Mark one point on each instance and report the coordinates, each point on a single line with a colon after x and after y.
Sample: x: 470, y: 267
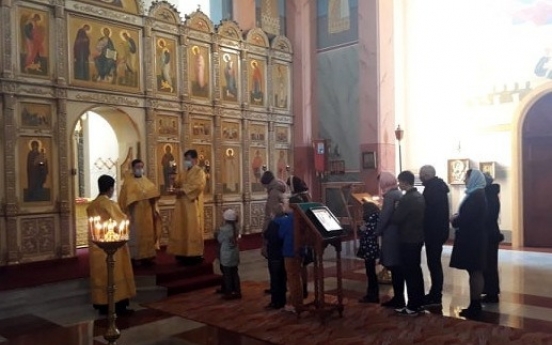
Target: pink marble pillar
x: 244, y: 14
x: 301, y: 30
x: 376, y: 70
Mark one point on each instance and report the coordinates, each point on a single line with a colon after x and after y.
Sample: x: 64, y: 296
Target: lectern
x: 315, y: 226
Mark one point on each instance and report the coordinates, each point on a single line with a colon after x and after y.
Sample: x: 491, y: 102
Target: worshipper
x: 139, y: 198
x: 390, y: 252
x: 275, y: 189
x: 125, y: 287
x: 470, y: 241
x: 186, y: 235
x: 369, y: 250
x: 299, y: 194
x: 276, y: 265
x: 409, y: 216
x: 491, y: 288
x: 436, y: 230
x: 292, y: 261
x: 229, y: 254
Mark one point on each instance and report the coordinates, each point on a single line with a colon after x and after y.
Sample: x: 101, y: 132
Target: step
x: 168, y: 273
x: 192, y: 284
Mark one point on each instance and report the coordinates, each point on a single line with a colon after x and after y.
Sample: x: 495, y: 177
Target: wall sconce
x: 399, y: 133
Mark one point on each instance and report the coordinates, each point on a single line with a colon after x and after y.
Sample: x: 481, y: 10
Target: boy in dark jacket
x: 436, y: 230
x: 275, y: 257
x: 409, y: 216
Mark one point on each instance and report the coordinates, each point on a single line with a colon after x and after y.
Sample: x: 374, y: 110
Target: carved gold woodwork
x: 217, y: 89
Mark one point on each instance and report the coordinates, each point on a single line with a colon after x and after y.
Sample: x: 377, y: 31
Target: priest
x: 125, y: 288
x: 139, y: 200
x: 186, y: 236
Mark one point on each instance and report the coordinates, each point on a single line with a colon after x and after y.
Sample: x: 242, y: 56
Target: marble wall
x: 338, y: 102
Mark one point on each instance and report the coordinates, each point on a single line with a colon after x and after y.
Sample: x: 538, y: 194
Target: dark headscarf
x: 267, y: 177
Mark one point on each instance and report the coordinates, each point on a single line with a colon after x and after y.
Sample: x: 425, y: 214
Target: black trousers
x: 278, y: 282
x: 373, y: 285
x: 490, y: 273
x: 231, y: 280
x: 412, y: 271
x: 434, y: 250
x: 397, y: 280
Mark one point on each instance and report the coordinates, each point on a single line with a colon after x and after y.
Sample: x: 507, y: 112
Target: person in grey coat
x: 389, y: 232
x: 229, y: 254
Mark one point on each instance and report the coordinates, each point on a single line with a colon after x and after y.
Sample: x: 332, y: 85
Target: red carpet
x: 361, y: 324
x: 53, y: 271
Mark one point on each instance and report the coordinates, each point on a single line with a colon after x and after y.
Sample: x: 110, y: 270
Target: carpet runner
x: 361, y: 324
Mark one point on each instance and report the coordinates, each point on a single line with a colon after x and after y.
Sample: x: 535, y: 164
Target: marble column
x: 301, y: 30
x: 244, y: 14
x: 376, y: 71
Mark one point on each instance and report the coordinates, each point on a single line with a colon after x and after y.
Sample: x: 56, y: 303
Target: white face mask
x: 138, y: 172
x: 188, y: 164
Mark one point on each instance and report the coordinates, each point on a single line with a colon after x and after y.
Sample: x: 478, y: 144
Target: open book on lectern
x: 324, y: 220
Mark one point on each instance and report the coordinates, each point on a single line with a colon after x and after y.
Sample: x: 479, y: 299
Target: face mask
x: 138, y: 172
x: 188, y: 164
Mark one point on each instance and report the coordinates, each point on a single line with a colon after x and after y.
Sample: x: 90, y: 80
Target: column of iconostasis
x: 236, y: 89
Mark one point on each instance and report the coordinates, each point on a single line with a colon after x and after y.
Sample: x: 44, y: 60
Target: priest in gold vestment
x: 186, y: 236
x: 138, y: 199
x: 125, y: 288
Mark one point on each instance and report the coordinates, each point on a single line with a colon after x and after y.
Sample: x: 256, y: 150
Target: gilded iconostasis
x: 163, y: 84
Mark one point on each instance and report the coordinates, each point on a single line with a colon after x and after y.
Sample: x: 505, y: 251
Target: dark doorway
x: 537, y: 174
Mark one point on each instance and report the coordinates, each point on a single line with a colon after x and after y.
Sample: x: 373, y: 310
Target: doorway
x: 104, y: 142
x: 537, y: 167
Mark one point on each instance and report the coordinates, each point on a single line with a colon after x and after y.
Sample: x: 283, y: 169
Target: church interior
x: 332, y: 91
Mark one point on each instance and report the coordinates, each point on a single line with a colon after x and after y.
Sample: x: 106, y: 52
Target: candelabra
x: 109, y: 236
x: 399, y: 133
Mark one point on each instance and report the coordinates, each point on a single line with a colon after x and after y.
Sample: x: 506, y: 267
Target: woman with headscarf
x: 492, y: 287
x: 470, y: 242
x: 389, y: 232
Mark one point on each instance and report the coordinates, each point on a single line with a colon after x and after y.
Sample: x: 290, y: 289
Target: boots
x: 473, y: 311
x: 372, y: 296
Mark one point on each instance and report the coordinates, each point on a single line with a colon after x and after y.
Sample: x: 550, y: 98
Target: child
x: 292, y: 261
x: 369, y: 250
x: 229, y: 254
x: 276, y: 268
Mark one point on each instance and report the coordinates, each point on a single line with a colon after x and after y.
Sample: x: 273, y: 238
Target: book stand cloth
x: 307, y: 234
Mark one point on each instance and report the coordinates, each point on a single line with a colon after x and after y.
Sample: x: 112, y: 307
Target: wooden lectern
x: 309, y: 231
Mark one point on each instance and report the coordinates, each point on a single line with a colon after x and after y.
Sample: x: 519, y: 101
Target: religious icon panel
x: 35, y: 116
x: 258, y: 133
x: 282, y: 134
x: 168, y: 159
x: 165, y: 61
x: 104, y: 55
x: 280, y: 85
x: 231, y: 131
x: 167, y: 126
x: 230, y: 76
x: 282, y: 162
x: 257, y: 82
x: 35, y: 166
x: 34, y: 42
x: 199, y: 74
x: 231, y: 172
x: 258, y: 163
x: 201, y: 129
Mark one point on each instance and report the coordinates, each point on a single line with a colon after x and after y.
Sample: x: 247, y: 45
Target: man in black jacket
x: 492, y: 288
x: 436, y: 230
x: 409, y: 216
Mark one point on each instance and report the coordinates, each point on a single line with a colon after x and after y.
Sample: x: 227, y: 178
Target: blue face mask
x: 188, y: 164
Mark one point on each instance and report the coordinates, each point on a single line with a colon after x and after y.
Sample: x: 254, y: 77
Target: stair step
x: 172, y: 272
x: 192, y: 284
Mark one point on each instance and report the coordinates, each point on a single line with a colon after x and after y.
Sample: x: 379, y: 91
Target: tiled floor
x: 526, y: 302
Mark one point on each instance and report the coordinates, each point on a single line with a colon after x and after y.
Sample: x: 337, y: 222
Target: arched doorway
x: 104, y: 141
x: 536, y: 142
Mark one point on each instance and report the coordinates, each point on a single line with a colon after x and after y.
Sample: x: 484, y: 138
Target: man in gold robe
x: 138, y: 199
x: 186, y: 236
x: 123, y: 275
